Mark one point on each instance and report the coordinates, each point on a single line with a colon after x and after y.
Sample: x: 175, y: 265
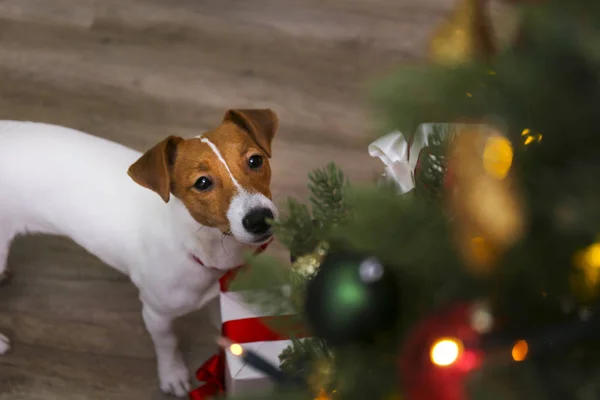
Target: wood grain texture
x: 135, y: 71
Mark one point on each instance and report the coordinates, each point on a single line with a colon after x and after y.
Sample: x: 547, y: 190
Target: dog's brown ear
x: 261, y: 124
x: 153, y: 169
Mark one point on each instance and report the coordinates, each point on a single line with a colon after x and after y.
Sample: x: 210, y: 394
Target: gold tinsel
x: 305, y: 266
x: 322, y: 376
x: 488, y: 215
x: 309, y: 263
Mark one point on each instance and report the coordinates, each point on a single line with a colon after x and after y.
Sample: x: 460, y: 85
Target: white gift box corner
x: 240, y: 377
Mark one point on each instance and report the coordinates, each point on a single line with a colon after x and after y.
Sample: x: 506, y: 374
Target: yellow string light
x: 588, y: 261
x: 520, y: 350
x: 531, y: 137
x: 586, y: 285
x: 445, y: 352
x: 236, y: 349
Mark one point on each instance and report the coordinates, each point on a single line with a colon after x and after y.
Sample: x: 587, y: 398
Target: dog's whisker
x: 197, y: 232
x: 223, y: 243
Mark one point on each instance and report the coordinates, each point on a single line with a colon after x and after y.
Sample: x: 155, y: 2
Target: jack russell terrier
x: 186, y: 214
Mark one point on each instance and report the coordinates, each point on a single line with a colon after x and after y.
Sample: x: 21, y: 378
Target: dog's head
x: 222, y: 177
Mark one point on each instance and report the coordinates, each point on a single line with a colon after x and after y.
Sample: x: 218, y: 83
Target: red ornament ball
x: 441, y: 351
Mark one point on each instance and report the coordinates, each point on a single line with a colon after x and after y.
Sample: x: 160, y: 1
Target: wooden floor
x: 136, y: 71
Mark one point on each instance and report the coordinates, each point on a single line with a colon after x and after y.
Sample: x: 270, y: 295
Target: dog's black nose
x: 256, y: 221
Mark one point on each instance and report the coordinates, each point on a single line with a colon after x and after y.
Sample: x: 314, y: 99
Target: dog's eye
x: 203, y: 183
x: 255, y: 161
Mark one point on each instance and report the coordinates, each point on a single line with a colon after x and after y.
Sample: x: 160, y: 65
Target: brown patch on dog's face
x: 197, y: 161
x: 206, y: 173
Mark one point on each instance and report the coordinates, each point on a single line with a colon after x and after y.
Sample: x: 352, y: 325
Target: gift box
x: 248, y: 325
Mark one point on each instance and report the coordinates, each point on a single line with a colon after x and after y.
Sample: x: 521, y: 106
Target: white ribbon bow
x: 393, y: 150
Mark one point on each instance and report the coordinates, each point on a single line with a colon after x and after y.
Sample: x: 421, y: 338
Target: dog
x: 174, y: 219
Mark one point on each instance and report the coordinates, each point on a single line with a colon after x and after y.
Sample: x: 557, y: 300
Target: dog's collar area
x: 259, y: 250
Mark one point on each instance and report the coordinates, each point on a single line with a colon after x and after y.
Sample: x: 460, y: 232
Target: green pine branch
x: 297, y: 359
x: 296, y: 229
x: 431, y: 174
x: 550, y: 85
x: 328, y: 188
x: 303, y: 226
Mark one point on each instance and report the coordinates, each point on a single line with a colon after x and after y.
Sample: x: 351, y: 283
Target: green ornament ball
x: 351, y: 299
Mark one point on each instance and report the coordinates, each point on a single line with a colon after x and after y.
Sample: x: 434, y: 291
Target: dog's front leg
x: 172, y: 371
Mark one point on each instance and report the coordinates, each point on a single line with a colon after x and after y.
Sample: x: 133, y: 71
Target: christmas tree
x: 482, y: 281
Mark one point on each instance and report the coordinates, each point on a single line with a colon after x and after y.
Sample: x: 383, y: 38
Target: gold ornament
x: 488, y: 214
x: 586, y: 284
x: 307, y: 264
x: 322, y: 375
x: 321, y: 378
x: 465, y: 36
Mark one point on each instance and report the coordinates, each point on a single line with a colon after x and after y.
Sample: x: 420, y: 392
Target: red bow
x: 212, y: 372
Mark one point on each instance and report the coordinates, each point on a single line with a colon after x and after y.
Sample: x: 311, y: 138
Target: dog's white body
x: 56, y: 180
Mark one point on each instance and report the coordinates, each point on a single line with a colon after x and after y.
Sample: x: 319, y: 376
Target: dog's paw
x: 175, y: 379
x: 4, y: 344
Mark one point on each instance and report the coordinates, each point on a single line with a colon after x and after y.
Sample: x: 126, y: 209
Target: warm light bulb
x: 236, y: 349
x: 445, y: 352
x: 520, y: 350
x: 588, y: 261
x: 482, y: 319
x: 591, y: 256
